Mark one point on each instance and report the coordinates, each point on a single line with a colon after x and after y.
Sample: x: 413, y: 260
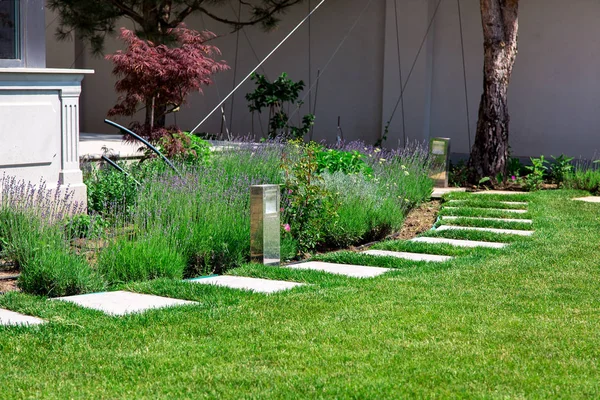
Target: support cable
x: 258, y: 66
x: 412, y: 68
x: 235, y: 65
x: 400, y: 71
x: 462, y: 46
x: 338, y: 48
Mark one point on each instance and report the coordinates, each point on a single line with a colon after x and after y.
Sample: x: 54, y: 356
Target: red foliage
x: 161, y: 76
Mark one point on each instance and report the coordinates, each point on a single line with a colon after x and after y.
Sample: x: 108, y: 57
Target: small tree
x: 159, y: 78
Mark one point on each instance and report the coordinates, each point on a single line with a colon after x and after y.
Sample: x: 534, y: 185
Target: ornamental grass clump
x: 32, y: 237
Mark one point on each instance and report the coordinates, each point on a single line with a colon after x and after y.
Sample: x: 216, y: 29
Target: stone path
x: 122, y: 303
x: 477, y: 229
x: 12, y: 318
x: 244, y: 283
x: 353, y: 271
x: 408, y: 256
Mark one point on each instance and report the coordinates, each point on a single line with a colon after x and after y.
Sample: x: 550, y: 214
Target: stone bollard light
x: 439, y: 149
x: 265, y: 230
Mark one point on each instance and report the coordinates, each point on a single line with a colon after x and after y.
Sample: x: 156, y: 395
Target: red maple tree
x: 158, y: 77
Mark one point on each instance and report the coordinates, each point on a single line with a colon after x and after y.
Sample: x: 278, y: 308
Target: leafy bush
x: 458, y: 174
x: 85, y: 226
x: 537, y: 171
x: 560, y: 167
x: 277, y: 96
x: 347, y: 162
x: 185, y: 147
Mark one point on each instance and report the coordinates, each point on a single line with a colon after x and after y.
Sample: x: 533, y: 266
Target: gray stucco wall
x: 553, y: 97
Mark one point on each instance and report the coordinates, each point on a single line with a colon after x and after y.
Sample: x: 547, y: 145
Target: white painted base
x: 408, y: 256
x: 452, y: 218
x: 122, y: 303
x: 245, y: 283
x: 491, y: 230
x: 459, y: 243
x: 11, y: 318
x: 353, y: 271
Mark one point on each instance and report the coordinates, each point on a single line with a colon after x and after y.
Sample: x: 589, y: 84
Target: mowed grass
x: 522, y: 322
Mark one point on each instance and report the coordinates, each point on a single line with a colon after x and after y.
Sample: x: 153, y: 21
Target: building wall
x: 553, y: 97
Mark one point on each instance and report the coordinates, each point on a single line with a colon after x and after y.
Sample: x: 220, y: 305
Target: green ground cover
x: 522, y: 322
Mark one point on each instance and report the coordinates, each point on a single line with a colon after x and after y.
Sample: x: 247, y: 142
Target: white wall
x: 553, y: 97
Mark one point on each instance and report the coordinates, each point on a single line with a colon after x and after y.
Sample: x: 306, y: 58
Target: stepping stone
x: 353, y: 271
x: 439, y: 192
x: 452, y: 218
x: 408, y: 256
x: 503, y: 192
x: 492, y: 230
x: 459, y: 243
x: 590, y: 199
x: 122, y: 303
x: 11, y: 318
x: 508, y: 203
x: 245, y: 283
x: 491, y: 209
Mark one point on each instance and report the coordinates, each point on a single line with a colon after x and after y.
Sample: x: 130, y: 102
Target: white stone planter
x: 39, y: 126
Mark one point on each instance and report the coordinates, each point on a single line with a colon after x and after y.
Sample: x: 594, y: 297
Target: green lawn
x: 523, y: 322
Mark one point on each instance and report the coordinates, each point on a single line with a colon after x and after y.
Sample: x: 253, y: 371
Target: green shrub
x: 85, y: 226
x: 54, y: 271
x: 536, y: 172
x: 584, y: 178
x: 348, y: 162
x: 139, y: 260
x: 560, y: 167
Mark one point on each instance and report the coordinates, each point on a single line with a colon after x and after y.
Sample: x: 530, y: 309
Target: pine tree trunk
x: 489, y: 155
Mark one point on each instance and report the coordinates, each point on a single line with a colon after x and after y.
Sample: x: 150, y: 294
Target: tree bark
x: 490, y: 152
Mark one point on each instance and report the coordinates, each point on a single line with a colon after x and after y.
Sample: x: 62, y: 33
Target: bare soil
x: 8, y: 285
x: 419, y: 220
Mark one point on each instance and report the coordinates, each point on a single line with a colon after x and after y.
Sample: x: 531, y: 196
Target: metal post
x: 265, y: 240
x: 439, y: 149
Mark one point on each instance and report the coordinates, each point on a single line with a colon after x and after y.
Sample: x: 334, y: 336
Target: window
x: 9, y: 30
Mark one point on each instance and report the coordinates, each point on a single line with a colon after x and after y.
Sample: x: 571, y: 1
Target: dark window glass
x: 9, y: 29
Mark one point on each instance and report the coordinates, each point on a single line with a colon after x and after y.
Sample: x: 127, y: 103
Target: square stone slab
x: 453, y: 218
x: 502, y: 192
x: 491, y: 209
x: 439, y: 192
x: 245, y: 283
x: 590, y: 199
x: 478, y: 229
x: 122, y: 303
x: 353, y: 271
x: 409, y: 256
x: 11, y: 318
x: 508, y: 203
x: 459, y: 243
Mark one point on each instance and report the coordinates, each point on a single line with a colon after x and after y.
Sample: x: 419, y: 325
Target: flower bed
x: 198, y: 223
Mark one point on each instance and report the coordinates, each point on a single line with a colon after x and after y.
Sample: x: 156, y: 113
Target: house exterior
x: 39, y: 116
x: 554, y: 95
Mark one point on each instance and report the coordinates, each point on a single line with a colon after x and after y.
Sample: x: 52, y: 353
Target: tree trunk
x: 489, y: 155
